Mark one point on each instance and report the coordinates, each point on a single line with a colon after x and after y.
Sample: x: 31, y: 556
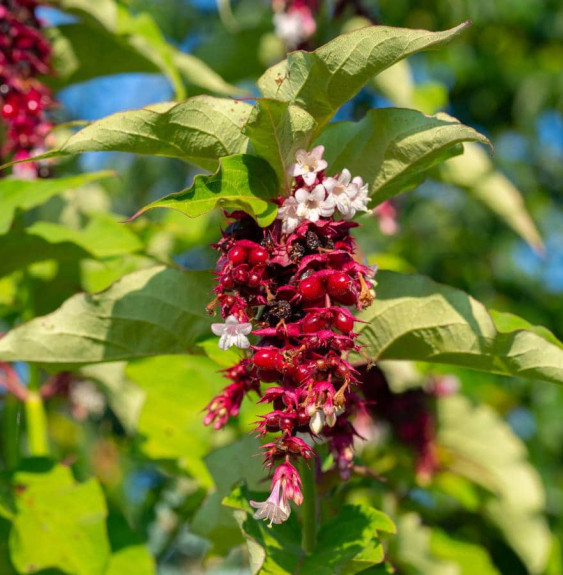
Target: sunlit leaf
x: 199, y: 130
x: 243, y: 182
x: 59, y: 523
x: 321, y: 81
x: 391, y: 148
x: 417, y: 319
x: 151, y: 312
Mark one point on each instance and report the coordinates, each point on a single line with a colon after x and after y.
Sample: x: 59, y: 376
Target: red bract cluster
x: 24, y: 55
x: 294, y: 284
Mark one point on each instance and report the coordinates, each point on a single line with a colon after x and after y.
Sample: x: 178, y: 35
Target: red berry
x: 240, y: 274
x: 343, y: 322
x: 270, y: 359
x: 301, y: 373
x: 227, y: 282
x: 314, y: 322
x: 258, y: 256
x: 339, y: 284
x: 253, y: 280
x: 311, y: 288
x: 237, y: 255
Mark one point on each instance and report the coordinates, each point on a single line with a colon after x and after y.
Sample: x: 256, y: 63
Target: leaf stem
x: 309, y: 512
x: 36, y: 424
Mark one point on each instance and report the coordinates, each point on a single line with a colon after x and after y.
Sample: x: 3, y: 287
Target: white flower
x: 308, y: 164
x: 232, y: 333
x: 288, y: 213
x: 349, y: 196
x: 275, y: 508
x: 317, y: 422
x: 313, y: 205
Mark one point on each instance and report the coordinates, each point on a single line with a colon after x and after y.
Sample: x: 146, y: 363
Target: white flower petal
x: 218, y: 328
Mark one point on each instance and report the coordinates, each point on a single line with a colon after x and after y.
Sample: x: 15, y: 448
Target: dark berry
x: 268, y: 375
x: 296, y: 252
x: 312, y: 241
x: 311, y: 288
x: 237, y: 255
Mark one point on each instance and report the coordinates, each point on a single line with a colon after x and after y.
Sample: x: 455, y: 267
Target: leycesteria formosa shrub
x: 292, y: 315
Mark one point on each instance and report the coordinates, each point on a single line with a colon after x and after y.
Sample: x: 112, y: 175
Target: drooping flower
x: 313, y: 204
x: 308, y: 164
x: 232, y: 332
x: 295, y: 25
x: 276, y: 508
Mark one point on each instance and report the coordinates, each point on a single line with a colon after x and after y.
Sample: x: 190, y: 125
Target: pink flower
x: 275, y: 508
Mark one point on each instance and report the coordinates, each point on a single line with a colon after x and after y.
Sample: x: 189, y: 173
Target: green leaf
x: 177, y: 389
x: 475, y: 172
x: 243, y: 182
x: 349, y: 542
x: 103, y: 236
x: 199, y: 130
x: 415, y: 318
x: 103, y: 12
x: 471, y: 558
x: 27, y: 194
x: 391, y: 148
x: 483, y: 448
x: 150, y: 312
x: 20, y: 249
x: 59, y: 524
x: 412, y: 548
x: 321, y: 81
x: 277, y: 130
x: 132, y: 560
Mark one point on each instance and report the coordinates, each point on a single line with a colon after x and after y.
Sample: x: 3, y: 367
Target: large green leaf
x: 103, y: 12
x: 346, y: 544
x: 243, y: 182
x: 349, y: 542
x: 391, y: 148
x: 321, y: 81
x: 59, y: 524
x: 177, y: 389
x: 277, y: 130
x: 415, y: 318
x: 483, y: 448
x: 150, y: 312
x: 26, y: 194
x: 200, y: 130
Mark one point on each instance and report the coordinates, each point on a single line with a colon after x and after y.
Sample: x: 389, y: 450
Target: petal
x: 345, y: 177
x: 318, y: 193
x: 329, y: 184
x: 241, y: 341
x: 245, y: 328
x: 225, y: 342
x: 218, y: 328
x: 309, y: 178
x: 317, y: 152
x: 301, y: 156
x: 301, y: 196
x: 232, y: 320
x: 321, y: 165
x: 313, y: 215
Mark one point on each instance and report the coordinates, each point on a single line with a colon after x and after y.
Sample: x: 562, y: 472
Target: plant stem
x: 309, y: 508
x: 36, y: 421
x: 11, y: 430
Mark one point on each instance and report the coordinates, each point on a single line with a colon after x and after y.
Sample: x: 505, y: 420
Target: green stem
x: 36, y: 421
x: 309, y: 508
x: 11, y: 430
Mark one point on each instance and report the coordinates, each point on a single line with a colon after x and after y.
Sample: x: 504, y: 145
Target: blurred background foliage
x: 502, y: 76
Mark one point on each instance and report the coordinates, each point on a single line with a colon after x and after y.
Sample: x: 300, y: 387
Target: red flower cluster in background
x: 292, y: 285
x: 24, y: 55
